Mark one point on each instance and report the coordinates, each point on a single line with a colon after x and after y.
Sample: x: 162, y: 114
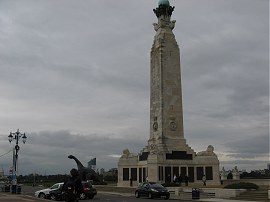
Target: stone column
x: 235, y: 172
x: 152, y: 163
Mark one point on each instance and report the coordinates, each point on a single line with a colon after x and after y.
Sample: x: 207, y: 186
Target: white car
x: 44, y: 193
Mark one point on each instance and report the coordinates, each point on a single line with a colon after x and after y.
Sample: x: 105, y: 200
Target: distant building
x: 1, y: 172
x: 262, y: 172
x: 102, y: 171
x: 230, y: 174
x: 92, y: 164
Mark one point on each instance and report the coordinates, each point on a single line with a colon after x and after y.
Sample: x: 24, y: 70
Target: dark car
x: 151, y: 190
x: 89, y: 191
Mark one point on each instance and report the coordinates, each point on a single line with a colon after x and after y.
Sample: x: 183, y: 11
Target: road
x: 100, y: 197
x: 28, y: 196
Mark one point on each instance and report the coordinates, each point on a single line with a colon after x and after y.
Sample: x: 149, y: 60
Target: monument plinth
x: 167, y: 153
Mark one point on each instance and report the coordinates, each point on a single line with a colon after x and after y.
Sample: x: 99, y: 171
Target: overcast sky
x: 75, y: 77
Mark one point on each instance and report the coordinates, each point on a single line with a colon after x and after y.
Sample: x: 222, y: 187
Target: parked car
x: 89, y: 191
x: 57, y: 194
x: 45, y: 193
x: 151, y: 190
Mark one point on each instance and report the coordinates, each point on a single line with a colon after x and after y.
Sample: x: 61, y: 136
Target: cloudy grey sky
x: 74, y: 76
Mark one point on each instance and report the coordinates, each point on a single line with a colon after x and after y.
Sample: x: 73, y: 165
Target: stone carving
x: 236, y: 174
x: 223, y: 175
x: 85, y: 172
x: 156, y: 26
x: 155, y: 126
x: 172, y: 125
x: 235, y: 169
x: 163, y: 10
x: 172, y: 24
x: 163, y: 24
x: 209, y: 152
x: 126, y: 154
x: 153, y: 149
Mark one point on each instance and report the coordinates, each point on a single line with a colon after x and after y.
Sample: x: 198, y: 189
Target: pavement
x: 174, y: 197
x: 8, y: 197
x: 210, y: 199
x: 222, y: 200
x: 4, y: 197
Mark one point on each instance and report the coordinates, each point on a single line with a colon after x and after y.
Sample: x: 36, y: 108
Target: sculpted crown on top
x: 163, y: 13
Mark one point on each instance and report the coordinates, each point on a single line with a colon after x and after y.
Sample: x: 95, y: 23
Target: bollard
x: 13, y: 189
x: 195, y: 193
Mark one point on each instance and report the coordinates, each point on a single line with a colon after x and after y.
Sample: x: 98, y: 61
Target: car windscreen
x: 156, y: 186
x: 55, y: 186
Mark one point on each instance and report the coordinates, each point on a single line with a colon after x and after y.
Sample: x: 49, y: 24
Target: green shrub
x: 170, y: 184
x: 99, y: 183
x: 242, y: 185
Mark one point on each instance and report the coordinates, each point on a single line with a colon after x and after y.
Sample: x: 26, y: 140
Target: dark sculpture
x: 85, y: 172
x: 163, y: 10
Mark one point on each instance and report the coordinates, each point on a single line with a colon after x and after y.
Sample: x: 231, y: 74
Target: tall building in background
x: 92, y: 164
x: 1, y: 172
x: 167, y: 154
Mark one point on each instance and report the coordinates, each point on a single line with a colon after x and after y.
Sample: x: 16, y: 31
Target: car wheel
x: 53, y: 197
x: 137, y: 195
x: 82, y: 196
x: 150, y: 195
x: 167, y: 197
x: 41, y: 195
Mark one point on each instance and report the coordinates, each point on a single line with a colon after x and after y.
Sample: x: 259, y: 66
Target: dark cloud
x: 251, y: 147
x: 47, y: 151
x: 247, y: 165
x: 79, y: 72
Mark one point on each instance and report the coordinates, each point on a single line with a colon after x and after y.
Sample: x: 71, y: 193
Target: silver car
x: 44, y: 193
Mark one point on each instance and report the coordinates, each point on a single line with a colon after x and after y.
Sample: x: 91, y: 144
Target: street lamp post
x: 16, y: 136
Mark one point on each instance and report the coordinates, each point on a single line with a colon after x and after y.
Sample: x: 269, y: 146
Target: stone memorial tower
x: 167, y: 153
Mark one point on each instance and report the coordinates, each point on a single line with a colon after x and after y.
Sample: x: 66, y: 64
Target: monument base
x: 165, y: 167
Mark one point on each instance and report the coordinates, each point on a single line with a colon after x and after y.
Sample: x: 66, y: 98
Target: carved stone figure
x: 126, y: 154
x: 236, y: 174
x: 163, y: 10
x: 223, y: 175
x: 235, y: 169
x: 85, y: 172
x: 209, y: 152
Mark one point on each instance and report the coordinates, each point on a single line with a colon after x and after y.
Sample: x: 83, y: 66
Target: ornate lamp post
x: 16, y: 136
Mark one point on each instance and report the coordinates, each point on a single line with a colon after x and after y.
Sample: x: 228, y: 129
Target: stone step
x: 188, y: 195
x: 261, y: 195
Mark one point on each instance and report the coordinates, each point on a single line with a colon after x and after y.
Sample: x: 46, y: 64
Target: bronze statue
x: 85, y: 172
